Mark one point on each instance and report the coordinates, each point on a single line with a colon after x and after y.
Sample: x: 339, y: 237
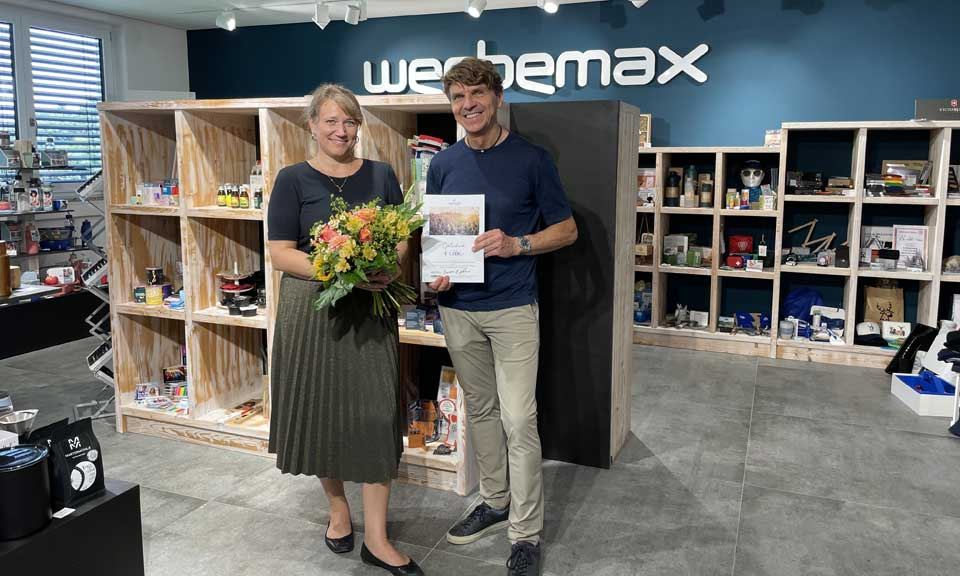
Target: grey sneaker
x: 524, y: 559
x: 477, y: 524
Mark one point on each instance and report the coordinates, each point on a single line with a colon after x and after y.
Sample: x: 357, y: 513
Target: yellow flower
x: 354, y: 224
x: 348, y: 249
x: 341, y: 266
x: 369, y: 252
x: 403, y: 229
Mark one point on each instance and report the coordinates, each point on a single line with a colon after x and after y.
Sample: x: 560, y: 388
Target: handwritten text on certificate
x: 452, y: 225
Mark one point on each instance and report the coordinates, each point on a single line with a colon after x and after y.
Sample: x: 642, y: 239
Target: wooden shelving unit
x: 862, y: 144
x: 205, y: 144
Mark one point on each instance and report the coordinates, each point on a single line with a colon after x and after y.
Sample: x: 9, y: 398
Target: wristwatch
x: 525, y: 246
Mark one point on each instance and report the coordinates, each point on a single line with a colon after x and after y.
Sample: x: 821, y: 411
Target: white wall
x: 148, y: 61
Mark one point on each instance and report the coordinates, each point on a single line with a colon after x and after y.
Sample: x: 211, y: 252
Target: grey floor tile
x: 446, y: 563
x: 159, y: 509
x: 703, y: 377
x: 691, y: 439
x: 54, y: 396
x: 842, y: 394
x: 67, y: 360
x: 291, y: 496
x: 787, y: 534
x: 855, y: 463
x: 628, y: 520
x: 418, y: 515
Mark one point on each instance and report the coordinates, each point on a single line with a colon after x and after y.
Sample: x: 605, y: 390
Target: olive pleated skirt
x: 335, y: 393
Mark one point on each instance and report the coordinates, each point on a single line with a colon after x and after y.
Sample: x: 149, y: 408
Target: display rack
x: 856, y: 148
x: 204, y: 144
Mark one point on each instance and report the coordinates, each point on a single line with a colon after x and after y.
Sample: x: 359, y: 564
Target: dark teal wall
x: 770, y: 60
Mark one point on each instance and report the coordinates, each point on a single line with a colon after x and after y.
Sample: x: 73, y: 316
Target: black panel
x: 45, y: 322
x: 576, y: 283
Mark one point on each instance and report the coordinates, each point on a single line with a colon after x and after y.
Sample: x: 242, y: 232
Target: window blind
x: 8, y: 100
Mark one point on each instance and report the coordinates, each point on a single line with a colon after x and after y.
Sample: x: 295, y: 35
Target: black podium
x: 102, y: 537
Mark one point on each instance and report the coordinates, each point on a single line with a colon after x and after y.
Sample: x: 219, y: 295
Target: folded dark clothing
x: 947, y: 354
x: 955, y: 346
x: 869, y: 340
x: 953, y: 337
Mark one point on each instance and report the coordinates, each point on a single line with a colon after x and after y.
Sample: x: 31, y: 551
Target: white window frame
x: 22, y: 20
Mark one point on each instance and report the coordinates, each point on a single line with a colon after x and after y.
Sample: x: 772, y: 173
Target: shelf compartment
x: 226, y: 213
x: 134, y: 309
x: 143, y: 346
x: 137, y: 147
x: 214, y: 148
x: 217, y: 315
x: 820, y: 198
x: 896, y: 200
x: 139, y: 241
x: 214, y: 245
x: 754, y: 213
x: 140, y: 209
x: 815, y: 270
x: 226, y: 365
x: 895, y: 274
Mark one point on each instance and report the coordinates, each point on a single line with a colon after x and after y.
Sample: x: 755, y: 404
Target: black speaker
x: 843, y: 257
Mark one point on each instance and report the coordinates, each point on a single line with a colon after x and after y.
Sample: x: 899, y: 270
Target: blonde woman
x: 336, y: 409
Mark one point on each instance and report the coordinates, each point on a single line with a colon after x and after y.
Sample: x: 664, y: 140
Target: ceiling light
x: 321, y: 15
x: 475, y: 7
x: 638, y: 3
x: 549, y: 6
x: 227, y: 20
x: 353, y: 14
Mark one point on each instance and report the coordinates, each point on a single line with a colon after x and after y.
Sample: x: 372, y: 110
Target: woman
x: 336, y: 410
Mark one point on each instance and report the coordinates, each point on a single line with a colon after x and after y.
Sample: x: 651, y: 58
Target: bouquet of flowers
x: 359, y: 242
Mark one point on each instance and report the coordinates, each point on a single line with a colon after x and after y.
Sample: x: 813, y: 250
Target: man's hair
x: 473, y: 72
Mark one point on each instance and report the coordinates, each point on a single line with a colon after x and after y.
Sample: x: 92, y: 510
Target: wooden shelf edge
x: 216, y: 315
x: 833, y: 199
x: 226, y: 213
x: 648, y: 269
x: 895, y: 275
x: 133, y: 309
x: 666, y: 269
x: 702, y: 334
x: 953, y: 201
x: 950, y: 278
x: 427, y: 459
x: 691, y: 211
x: 753, y: 213
x: 902, y: 201
x: 192, y: 422
x: 422, y: 338
x: 765, y: 275
x: 646, y: 209
x: 148, y: 210
x: 815, y: 270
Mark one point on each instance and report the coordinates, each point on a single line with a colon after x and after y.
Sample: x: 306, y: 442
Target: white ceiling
x: 195, y: 14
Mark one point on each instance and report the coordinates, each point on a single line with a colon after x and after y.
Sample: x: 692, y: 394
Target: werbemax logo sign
x: 542, y: 73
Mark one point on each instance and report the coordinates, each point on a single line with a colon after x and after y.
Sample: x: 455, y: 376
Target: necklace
x: 495, y: 142
x: 338, y: 186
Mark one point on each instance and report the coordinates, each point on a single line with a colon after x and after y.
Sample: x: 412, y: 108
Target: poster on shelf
x: 911, y: 241
x: 452, y: 224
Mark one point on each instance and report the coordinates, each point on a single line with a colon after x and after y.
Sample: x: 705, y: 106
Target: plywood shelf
x: 149, y: 210
x: 953, y: 278
x: 754, y: 213
x: 713, y: 149
x: 646, y: 209
x: 763, y: 275
x: 422, y: 338
x: 226, y: 213
x: 823, y: 198
x: 216, y: 315
x: 683, y: 270
x: 647, y: 269
x: 703, y: 334
x: 904, y: 201
x: 953, y: 201
x: 815, y: 270
x: 135, y: 309
x: 696, y: 211
x: 895, y: 274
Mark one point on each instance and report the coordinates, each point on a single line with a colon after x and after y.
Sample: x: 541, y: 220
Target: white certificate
x: 452, y: 224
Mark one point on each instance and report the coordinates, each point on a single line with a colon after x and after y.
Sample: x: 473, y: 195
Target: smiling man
x: 492, y: 329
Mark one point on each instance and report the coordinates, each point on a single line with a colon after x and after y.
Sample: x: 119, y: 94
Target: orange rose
x: 366, y: 214
x: 327, y: 234
x: 365, y: 235
x: 338, y: 241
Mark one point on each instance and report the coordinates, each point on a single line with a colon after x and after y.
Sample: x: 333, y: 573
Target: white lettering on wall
x: 634, y: 67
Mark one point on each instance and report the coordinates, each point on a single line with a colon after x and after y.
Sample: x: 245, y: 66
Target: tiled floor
x: 735, y: 466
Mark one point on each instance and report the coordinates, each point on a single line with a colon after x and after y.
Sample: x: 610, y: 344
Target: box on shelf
x: 926, y: 393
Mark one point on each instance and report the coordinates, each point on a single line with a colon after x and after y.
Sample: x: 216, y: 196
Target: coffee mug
x: 57, y: 205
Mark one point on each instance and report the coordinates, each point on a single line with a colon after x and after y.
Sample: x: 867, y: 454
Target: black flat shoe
x: 409, y: 569
x: 339, y: 545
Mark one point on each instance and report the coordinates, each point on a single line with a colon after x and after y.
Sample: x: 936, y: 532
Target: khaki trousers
x: 495, y: 355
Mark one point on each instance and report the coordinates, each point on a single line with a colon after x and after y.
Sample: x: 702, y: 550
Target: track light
x: 353, y: 14
x: 549, y: 6
x: 227, y: 20
x: 638, y: 3
x: 321, y: 15
x: 475, y: 7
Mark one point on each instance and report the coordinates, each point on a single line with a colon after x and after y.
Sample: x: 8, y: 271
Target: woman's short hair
x: 340, y: 96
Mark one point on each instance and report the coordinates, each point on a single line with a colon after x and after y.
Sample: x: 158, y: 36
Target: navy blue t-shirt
x: 523, y: 196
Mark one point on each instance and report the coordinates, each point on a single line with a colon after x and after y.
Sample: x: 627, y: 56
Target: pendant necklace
x: 495, y: 142
x: 339, y: 187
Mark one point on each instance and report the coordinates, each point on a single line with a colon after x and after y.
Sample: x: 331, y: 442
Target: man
x: 492, y: 329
